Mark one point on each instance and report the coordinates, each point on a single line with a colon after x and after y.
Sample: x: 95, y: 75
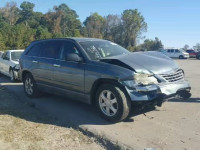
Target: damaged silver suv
x: 101, y: 72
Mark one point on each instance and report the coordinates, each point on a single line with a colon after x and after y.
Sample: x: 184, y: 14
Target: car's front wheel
x: 30, y: 86
x: 181, y: 57
x: 112, y: 103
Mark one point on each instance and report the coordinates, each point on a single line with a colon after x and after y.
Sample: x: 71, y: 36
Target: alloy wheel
x: 108, y: 103
x: 29, y: 86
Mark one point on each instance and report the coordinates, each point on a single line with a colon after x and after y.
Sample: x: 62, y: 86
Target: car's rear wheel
x: 112, y: 103
x: 12, y: 75
x: 181, y: 57
x: 30, y: 86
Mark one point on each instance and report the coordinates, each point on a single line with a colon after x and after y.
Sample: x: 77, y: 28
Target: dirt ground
x: 17, y: 133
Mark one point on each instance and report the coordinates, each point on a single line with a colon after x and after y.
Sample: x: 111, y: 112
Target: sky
x: 174, y: 22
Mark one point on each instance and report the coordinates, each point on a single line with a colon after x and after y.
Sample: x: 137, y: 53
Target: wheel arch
x: 24, y: 73
x: 102, y: 81
x: 10, y: 68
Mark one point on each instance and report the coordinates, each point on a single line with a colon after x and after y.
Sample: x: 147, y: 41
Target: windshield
x: 102, y: 49
x: 16, y: 55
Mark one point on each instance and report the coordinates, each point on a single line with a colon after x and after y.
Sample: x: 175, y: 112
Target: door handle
x: 55, y: 65
x: 34, y: 61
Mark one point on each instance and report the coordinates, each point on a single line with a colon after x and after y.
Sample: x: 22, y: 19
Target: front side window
x: 101, y: 49
x: 6, y: 56
x: 50, y: 49
x: 177, y: 51
x: 3, y: 55
x: 68, y: 48
x: 16, y: 55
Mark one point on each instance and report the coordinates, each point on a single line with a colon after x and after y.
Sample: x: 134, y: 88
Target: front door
x: 69, y: 75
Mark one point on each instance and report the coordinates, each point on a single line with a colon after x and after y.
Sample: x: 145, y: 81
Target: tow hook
x: 184, y: 94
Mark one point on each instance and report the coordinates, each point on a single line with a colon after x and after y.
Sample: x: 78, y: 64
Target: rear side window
x: 34, y: 51
x: 51, y: 49
x: 172, y: 51
x: 168, y: 51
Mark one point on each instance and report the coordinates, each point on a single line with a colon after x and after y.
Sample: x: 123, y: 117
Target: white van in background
x: 175, y: 53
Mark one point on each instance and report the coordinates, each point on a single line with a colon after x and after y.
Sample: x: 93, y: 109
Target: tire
x: 181, y: 57
x: 112, y: 103
x: 12, y: 75
x: 30, y: 86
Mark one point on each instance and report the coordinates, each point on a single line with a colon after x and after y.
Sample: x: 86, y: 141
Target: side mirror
x: 73, y: 57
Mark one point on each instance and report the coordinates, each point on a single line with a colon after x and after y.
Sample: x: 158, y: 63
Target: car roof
x: 77, y: 39
x: 20, y: 50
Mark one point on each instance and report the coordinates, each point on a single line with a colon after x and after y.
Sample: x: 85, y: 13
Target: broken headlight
x: 141, y: 79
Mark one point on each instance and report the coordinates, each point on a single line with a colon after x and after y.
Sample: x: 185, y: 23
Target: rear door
x: 69, y: 75
x: 172, y: 53
x: 48, y: 53
x: 30, y: 60
x: 169, y: 53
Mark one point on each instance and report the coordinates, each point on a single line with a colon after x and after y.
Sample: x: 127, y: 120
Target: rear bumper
x: 159, y: 93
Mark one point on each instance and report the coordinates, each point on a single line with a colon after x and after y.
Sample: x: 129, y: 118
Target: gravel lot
x: 174, y: 126
x: 23, y: 127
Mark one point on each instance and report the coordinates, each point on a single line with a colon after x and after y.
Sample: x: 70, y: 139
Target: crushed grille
x: 173, y: 77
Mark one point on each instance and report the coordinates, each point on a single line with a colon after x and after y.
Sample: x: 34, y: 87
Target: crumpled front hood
x: 147, y: 62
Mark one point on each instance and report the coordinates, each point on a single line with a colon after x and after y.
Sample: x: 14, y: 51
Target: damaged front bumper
x: 16, y: 72
x: 157, y: 94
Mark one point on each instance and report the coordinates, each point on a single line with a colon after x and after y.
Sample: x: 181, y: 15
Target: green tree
x: 70, y: 24
x: 2, y: 44
x: 63, y: 21
x: 20, y: 26
x: 197, y: 46
x: 94, y: 25
x: 26, y: 12
x: 133, y: 27
x: 42, y: 33
x: 186, y: 47
x: 113, y: 28
x: 10, y: 13
x: 150, y: 45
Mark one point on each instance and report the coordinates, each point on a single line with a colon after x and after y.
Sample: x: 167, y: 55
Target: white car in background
x: 1, y: 53
x: 9, y: 63
x: 175, y: 53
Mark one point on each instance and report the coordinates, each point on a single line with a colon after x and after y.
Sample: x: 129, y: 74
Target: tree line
x: 20, y: 26
x: 195, y: 47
